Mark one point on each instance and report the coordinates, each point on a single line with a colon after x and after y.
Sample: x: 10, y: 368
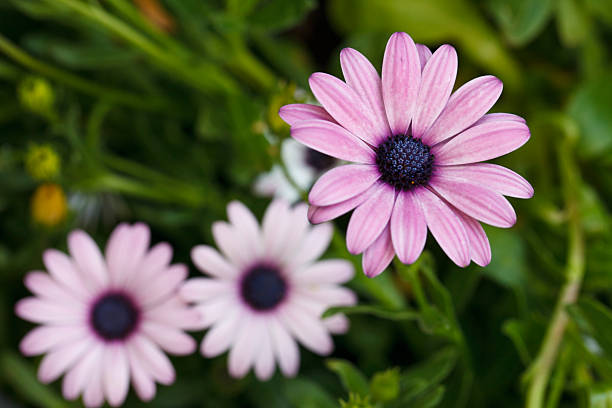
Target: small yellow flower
x: 42, y: 162
x: 49, y: 205
x: 36, y: 95
x: 287, y: 93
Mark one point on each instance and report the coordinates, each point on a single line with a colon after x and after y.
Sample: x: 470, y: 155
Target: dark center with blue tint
x: 404, y: 162
x: 114, y: 316
x: 263, y: 287
x: 319, y: 161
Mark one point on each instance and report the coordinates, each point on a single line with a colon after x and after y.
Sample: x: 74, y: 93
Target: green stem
x: 539, y: 372
x: 71, y: 80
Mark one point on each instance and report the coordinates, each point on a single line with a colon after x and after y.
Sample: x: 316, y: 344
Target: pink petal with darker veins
x: 483, y: 142
x: 317, y: 215
x: 346, y: 107
x: 480, y: 250
x: 333, y: 140
x: 341, y: 183
x: 370, y: 218
x: 492, y: 176
x: 465, y: 106
x: 499, y: 117
x: 401, y: 77
x: 424, y: 54
x: 379, y: 255
x: 298, y: 112
x: 408, y: 227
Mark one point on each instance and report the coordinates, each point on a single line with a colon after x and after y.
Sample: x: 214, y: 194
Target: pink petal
x: 154, y: 261
x: 216, y: 309
x: 480, y: 250
x: 308, y: 330
x: 152, y: 358
x: 337, y: 324
x: 264, y: 361
x: 44, y: 286
x: 58, y: 361
x: 162, y: 286
x: 209, y: 261
x: 481, y: 203
x: 48, y: 311
x: 285, y: 348
x: 379, y: 255
x: 408, y: 227
x: 424, y: 54
x: 343, y: 182
x: 170, y: 339
x: 245, y: 349
x: 93, y: 396
x: 87, y: 258
x: 174, y: 312
x: 229, y: 241
x: 361, y: 75
x: 482, y: 142
x: 142, y: 381
x: 63, y: 270
x: 315, y: 243
x: 45, y: 338
x: 277, y: 226
x: 317, y: 215
x: 246, y: 224
x: 203, y: 289
x: 468, y: 104
x: 446, y: 227
x: 401, y: 77
x: 369, y: 219
x: 492, y: 176
x: 221, y: 336
x: 333, y: 140
x: 499, y: 117
x: 125, y: 251
x: 436, y: 86
x: 116, y: 375
x: 298, y: 228
x: 346, y: 107
x: 330, y: 295
x: 297, y: 112
x: 76, y: 379
x: 325, y: 272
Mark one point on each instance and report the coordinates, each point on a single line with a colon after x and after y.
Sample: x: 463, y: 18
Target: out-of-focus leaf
x: 377, y: 311
x: 526, y: 337
x: 594, y: 217
x: 572, y: 22
x: 521, y: 20
x: 601, y: 9
x: 352, y: 379
x: 600, y: 396
x: 591, y: 107
x: 430, y: 21
x: 430, y: 399
x: 384, y: 386
x: 594, y: 319
x: 304, y: 393
x: 22, y: 377
x: 276, y: 15
x: 507, y: 265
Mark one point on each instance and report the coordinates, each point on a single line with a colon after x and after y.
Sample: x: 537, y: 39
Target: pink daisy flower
x: 106, y: 319
x: 416, y: 151
x: 266, y: 289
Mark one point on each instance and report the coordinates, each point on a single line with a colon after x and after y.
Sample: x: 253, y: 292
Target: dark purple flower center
x: 263, y: 287
x: 404, y: 162
x: 319, y: 161
x: 114, y: 316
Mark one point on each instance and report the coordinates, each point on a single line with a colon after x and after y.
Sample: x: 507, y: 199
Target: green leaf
x: 522, y: 20
x: 430, y: 21
x: 526, y: 337
x: 573, y: 23
x: 591, y: 107
x: 507, y: 265
x: 277, y: 15
x: 594, y: 319
x: 601, y: 9
x: 21, y: 375
x: 378, y: 311
x: 352, y: 379
x: 307, y: 394
x: 384, y: 386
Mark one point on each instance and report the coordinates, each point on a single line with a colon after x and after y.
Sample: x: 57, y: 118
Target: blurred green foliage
x: 165, y: 123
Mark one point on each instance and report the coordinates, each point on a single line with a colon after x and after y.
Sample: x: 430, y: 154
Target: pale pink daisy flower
x: 266, y: 289
x: 416, y: 151
x: 106, y: 319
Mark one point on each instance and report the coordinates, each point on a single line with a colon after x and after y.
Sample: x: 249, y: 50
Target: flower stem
x: 538, y: 374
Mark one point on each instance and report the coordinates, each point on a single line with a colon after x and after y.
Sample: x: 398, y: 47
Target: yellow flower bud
x: 36, y: 95
x: 42, y: 162
x: 49, y: 205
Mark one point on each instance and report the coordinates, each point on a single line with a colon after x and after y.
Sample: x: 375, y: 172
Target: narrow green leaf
x: 378, y: 311
x: 352, y: 379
